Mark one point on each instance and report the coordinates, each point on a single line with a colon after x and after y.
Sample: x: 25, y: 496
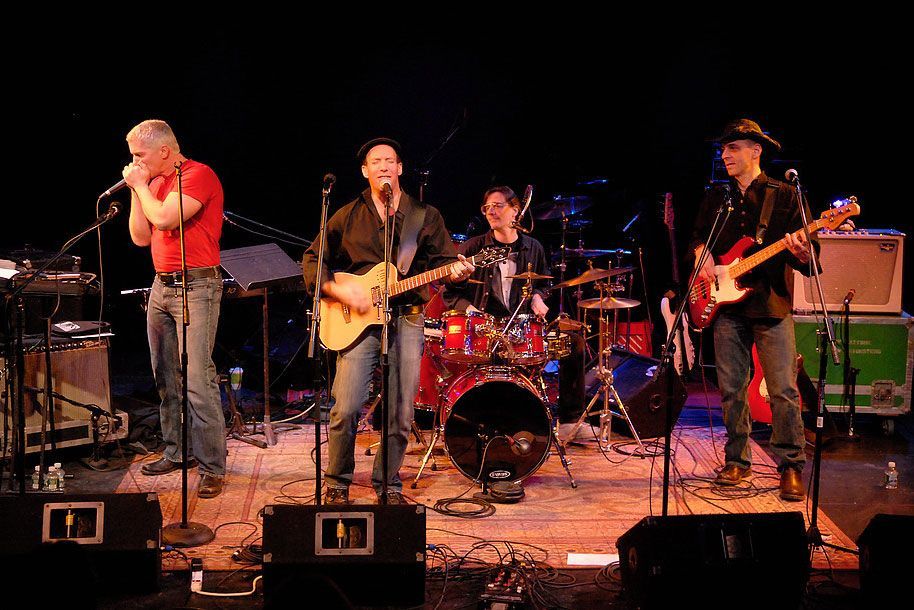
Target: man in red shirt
x: 154, y: 215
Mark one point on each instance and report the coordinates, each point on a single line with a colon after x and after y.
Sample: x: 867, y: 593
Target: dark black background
x: 273, y: 106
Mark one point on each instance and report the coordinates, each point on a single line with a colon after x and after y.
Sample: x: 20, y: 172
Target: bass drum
x: 489, y: 402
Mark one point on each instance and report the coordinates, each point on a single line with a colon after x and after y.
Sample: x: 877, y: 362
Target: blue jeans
x: 774, y: 339
x: 164, y: 317
x: 354, y: 369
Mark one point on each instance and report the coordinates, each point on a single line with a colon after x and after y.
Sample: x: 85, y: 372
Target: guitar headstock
x: 668, y: 211
x: 835, y: 217
x: 491, y: 255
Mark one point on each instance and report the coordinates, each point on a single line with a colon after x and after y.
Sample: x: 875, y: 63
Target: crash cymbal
x: 592, y: 275
x: 608, y: 303
x: 590, y: 252
x: 561, y: 205
x: 529, y: 275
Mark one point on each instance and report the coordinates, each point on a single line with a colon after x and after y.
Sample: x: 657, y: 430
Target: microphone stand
x: 313, y: 355
x: 387, y: 195
x: 827, y: 337
x: 185, y: 533
x: 14, y: 314
x: 666, y: 366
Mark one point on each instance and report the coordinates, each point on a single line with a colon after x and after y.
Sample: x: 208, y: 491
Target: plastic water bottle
x: 60, y: 475
x: 50, y: 479
x: 891, y: 476
x: 36, y: 479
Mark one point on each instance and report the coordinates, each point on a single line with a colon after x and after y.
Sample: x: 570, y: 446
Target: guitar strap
x: 409, y: 235
x: 767, y: 207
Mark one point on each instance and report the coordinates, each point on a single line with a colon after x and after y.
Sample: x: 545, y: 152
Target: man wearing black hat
x: 767, y: 210
x: 355, y: 236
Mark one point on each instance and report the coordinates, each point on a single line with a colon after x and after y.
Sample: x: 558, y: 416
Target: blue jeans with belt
x: 354, y: 369
x: 774, y: 340
x: 164, y: 317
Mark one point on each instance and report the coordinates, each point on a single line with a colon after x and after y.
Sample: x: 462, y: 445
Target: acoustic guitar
x: 341, y: 326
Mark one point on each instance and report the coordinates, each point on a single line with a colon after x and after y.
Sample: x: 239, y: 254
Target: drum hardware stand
x: 559, y: 447
x: 605, y: 375
x: 237, y: 429
x: 367, y: 417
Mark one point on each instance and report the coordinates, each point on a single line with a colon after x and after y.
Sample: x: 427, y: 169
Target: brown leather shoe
x: 210, y: 486
x: 732, y: 474
x: 792, y: 488
x: 164, y: 465
x: 336, y: 495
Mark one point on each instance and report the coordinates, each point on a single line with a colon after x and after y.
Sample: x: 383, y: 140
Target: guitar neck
x: 751, y: 262
x: 417, y: 281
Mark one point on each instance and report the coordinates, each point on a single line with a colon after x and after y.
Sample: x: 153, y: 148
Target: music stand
x: 257, y: 269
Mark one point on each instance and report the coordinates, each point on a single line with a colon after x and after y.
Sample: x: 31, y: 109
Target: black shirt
x: 526, y: 249
x: 770, y: 281
x: 355, y: 243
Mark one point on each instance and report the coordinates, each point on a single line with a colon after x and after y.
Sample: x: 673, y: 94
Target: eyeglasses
x: 498, y: 206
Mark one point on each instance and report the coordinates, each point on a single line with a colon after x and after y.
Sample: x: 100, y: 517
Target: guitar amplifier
x: 79, y: 372
x: 869, y: 261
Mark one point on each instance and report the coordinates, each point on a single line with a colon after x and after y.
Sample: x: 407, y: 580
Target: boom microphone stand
x: 329, y: 181
x: 666, y: 366
x: 827, y: 337
x: 15, y: 317
x: 185, y: 533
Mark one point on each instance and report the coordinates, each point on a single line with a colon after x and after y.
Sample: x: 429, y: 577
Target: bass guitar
x: 706, y: 297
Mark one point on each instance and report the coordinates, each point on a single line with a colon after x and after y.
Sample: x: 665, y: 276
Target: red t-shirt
x: 201, y: 231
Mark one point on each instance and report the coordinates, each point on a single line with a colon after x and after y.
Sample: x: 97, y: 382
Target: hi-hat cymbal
x: 529, y: 275
x: 561, y: 205
x: 590, y: 252
x: 608, y: 303
x: 591, y: 275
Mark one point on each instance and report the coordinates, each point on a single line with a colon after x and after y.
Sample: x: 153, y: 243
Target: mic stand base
x: 191, y: 535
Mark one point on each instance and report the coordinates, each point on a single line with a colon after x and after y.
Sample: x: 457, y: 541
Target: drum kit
x: 482, y: 377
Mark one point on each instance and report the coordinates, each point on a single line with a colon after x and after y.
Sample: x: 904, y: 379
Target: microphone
x: 792, y: 176
x: 521, y: 443
x: 120, y: 184
x: 849, y: 296
x: 329, y: 181
x: 528, y: 197
x: 386, y: 189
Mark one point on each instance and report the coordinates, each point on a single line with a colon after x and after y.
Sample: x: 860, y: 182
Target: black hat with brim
x: 367, y: 146
x: 746, y: 129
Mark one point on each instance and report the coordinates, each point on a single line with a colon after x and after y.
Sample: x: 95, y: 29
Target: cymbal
x: 608, y: 303
x: 589, y: 252
x: 579, y: 223
x: 529, y: 275
x: 570, y: 324
x: 561, y: 205
x: 592, y: 275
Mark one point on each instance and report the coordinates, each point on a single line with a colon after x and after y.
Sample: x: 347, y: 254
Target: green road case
x: 881, y: 347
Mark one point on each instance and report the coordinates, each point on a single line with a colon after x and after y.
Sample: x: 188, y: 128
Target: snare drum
x: 466, y: 336
x: 558, y: 345
x: 526, y: 338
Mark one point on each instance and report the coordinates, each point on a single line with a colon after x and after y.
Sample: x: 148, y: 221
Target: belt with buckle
x: 171, y: 278
x: 408, y: 310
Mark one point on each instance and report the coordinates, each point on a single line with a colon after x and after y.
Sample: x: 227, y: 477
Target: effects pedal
x: 505, y: 590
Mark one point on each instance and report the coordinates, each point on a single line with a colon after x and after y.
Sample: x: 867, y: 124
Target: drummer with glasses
x: 495, y: 292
